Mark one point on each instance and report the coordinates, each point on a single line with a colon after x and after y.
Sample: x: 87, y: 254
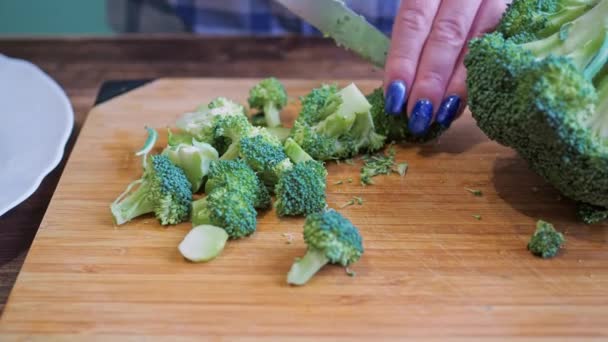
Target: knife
x: 349, y: 29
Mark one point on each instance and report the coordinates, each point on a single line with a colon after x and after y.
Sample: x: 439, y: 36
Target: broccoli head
x: 336, y: 124
x: 163, y: 190
x: 269, y: 96
x: 544, y: 92
x: 263, y: 152
x: 546, y: 241
x: 225, y: 209
x: 236, y: 176
x: 301, y: 190
x: 193, y: 158
x: 331, y: 238
x: 591, y: 214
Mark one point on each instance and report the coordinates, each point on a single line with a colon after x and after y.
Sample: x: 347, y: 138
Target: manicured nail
x: 395, y: 98
x: 448, y: 110
x: 421, y: 117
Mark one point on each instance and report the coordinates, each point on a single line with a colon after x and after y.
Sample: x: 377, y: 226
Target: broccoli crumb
x: 475, y: 192
x: 350, y: 272
x: 349, y: 162
x: 402, y: 169
x: 289, y: 237
x: 546, y: 241
x: 378, y: 164
x: 340, y: 182
x: 477, y: 217
x: 353, y: 201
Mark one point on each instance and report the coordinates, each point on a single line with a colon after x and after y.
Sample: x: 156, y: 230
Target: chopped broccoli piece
x: 591, y: 214
x: 474, y: 192
x: 402, y: 169
x: 258, y: 120
x: 228, y: 210
x: 269, y: 96
x: 265, y: 154
x: 203, y: 243
x: 336, y: 124
x: 540, y: 86
x: 546, y: 241
x: 163, y: 190
x: 295, y: 152
x: 301, y: 190
x: 379, y: 164
x: 236, y: 176
x: 193, y: 158
x: 477, y: 217
x: 331, y: 238
x: 395, y: 128
x: 352, y: 201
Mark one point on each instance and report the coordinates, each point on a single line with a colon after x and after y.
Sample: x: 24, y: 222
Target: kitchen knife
x: 349, y: 29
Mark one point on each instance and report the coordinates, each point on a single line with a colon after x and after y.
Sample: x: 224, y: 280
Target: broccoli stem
x: 599, y: 122
x: 272, y: 115
x: 302, y: 270
x: 232, y: 152
x: 200, y: 213
x: 580, y: 40
x: 569, y: 11
x: 295, y: 152
x: 130, y: 205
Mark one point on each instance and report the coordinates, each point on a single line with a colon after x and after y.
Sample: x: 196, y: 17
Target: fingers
x: 487, y: 18
x: 443, y: 47
x: 412, y: 26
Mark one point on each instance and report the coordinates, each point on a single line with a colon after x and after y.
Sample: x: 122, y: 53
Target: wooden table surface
x: 80, y: 65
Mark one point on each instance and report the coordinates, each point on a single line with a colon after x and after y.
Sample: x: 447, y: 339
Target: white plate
x: 36, y: 120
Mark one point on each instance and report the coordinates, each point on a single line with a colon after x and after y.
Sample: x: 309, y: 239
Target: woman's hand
x: 425, y: 63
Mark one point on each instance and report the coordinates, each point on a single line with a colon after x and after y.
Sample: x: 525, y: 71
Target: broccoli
x: 225, y: 209
x: 546, y: 241
x: 163, y: 189
x: 193, y: 158
x: 301, y: 189
x: 591, y: 214
x: 336, y: 124
x: 237, y: 177
x: 203, y: 243
x: 201, y: 124
x: 541, y: 87
x: 269, y: 96
x: 258, y: 120
x: 264, y: 153
x: 395, y: 128
x: 331, y: 238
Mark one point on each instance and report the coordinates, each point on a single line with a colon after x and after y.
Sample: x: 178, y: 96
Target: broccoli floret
x: 269, y: 96
x: 264, y: 153
x: 591, y: 214
x: 236, y: 176
x: 331, y: 238
x: 546, y: 241
x: 193, y: 158
x: 336, y: 124
x: 163, y: 190
x: 258, y: 120
x: 202, y: 124
x: 225, y: 209
x: 395, y: 128
x: 548, y: 97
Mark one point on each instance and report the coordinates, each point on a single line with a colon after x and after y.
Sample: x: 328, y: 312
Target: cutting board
x: 430, y: 269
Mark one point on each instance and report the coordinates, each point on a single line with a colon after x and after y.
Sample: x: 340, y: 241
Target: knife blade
x: 349, y: 29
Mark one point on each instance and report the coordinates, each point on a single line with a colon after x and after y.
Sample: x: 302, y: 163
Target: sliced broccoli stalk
x: 193, y: 159
x: 331, y: 238
x: 203, y: 243
x: 295, y: 152
x: 270, y: 97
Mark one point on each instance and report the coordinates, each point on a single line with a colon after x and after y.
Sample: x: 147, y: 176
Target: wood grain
x: 80, y: 65
x: 430, y: 270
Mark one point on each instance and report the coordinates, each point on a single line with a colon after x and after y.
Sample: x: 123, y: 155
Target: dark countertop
x: 81, y: 65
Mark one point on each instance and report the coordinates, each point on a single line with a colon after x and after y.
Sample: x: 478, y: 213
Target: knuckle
x: 449, y: 31
x: 433, y: 81
x: 414, y: 19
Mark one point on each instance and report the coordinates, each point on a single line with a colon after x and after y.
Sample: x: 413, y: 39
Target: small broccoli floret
x: 163, y: 190
x: 202, y: 124
x: 269, y: 96
x: 395, y: 128
x: 264, y: 153
x: 228, y: 210
x: 258, y: 120
x: 193, y: 158
x: 543, y: 90
x: 591, y: 214
x: 236, y: 176
x: 546, y: 241
x: 331, y: 238
x: 336, y: 124
x: 301, y: 190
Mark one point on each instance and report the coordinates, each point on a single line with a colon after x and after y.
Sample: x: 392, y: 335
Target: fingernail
x: 448, y: 110
x: 421, y: 117
x: 395, y: 98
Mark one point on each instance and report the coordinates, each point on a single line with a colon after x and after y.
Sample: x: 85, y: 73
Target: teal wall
x: 53, y: 17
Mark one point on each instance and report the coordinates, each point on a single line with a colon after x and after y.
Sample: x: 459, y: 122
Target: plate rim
x: 60, y: 148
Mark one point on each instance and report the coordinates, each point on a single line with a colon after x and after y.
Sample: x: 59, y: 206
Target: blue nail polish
x: 395, y: 98
x: 421, y: 117
x: 448, y: 110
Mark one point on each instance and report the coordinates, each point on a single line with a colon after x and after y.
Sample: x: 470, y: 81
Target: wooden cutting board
x: 430, y: 269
